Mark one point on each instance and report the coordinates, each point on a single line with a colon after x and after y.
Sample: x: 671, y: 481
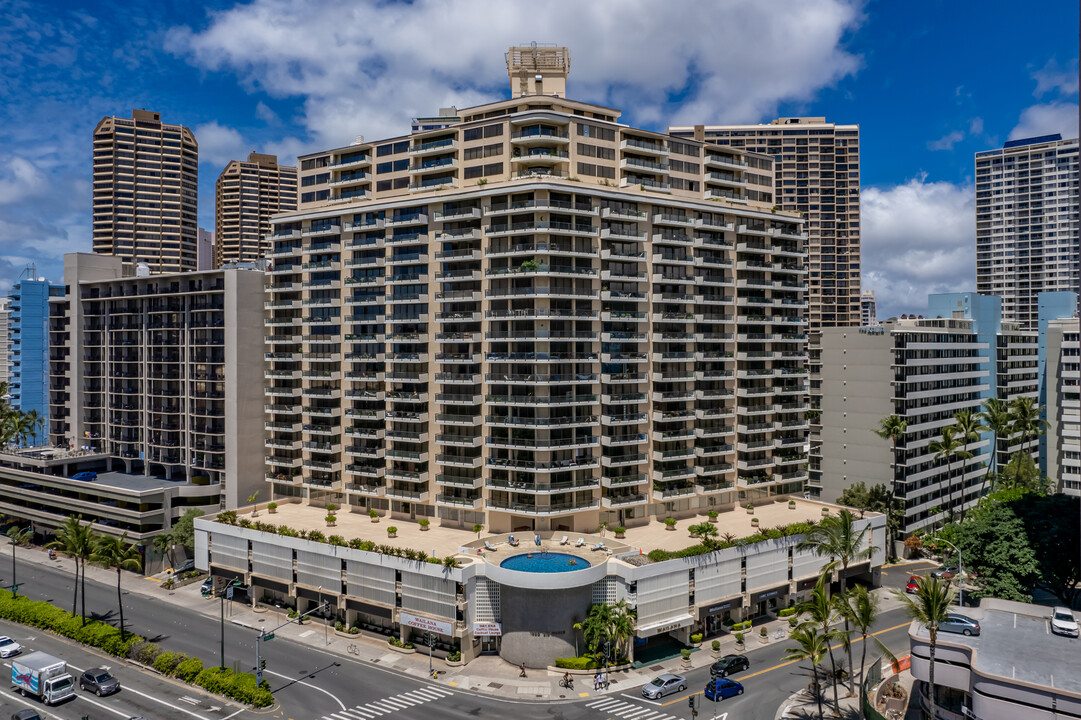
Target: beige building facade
x: 146, y: 184
x: 155, y: 371
x: 536, y: 317
x: 246, y: 195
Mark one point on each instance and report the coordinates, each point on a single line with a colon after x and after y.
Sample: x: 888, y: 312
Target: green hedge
x: 785, y: 612
x: 586, y: 662
x: 745, y: 625
x: 40, y: 614
x: 798, y: 528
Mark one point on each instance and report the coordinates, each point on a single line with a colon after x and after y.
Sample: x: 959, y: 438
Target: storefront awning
x: 666, y: 625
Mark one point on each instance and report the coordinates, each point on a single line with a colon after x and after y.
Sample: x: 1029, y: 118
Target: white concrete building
x: 1064, y: 404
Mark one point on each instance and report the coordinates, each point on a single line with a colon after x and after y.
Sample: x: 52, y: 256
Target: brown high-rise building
x: 247, y: 194
x: 146, y: 183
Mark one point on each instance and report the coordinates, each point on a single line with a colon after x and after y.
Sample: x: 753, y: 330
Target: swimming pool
x: 545, y: 562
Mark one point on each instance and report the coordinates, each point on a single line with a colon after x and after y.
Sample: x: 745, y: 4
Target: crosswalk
x: 390, y: 705
x: 628, y: 711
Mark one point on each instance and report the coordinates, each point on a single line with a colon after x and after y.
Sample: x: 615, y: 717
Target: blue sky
x: 929, y: 82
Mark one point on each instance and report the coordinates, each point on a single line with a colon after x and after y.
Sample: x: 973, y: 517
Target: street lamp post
x: 960, y: 572
x: 431, y: 644
x: 323, y: 609
x: 221, y: 596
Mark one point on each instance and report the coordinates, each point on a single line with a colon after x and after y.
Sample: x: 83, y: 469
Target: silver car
x: 1063, y: 622
x: 8, y: 647
x: 664, y: 684
x: 959, y: 624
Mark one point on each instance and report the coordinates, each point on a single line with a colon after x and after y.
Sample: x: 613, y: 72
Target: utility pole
x: 221, y: 596
x: 431, y: 644
x: 259, y: 662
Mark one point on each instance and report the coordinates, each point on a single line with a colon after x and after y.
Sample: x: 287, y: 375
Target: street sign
x: 268, y: 636
x: 229, y: 593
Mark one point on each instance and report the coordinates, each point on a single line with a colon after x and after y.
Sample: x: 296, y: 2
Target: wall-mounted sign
x: 428, y: 624
x: 487, y: 629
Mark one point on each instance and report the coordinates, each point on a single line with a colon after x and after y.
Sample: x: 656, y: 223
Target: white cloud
x: 266, y: 114
x: 975, y: 126
x: 21, y: 179
x: 1051, y: 78
x: 1047, y: 119
x: 918, y: 238
x: 219, y: 144
x: 634, y: 54
x: 946, y: 142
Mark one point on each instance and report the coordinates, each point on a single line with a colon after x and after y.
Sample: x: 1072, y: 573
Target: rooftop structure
x: 868, y: 308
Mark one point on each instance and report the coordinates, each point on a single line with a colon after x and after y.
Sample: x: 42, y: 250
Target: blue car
x: 721, y: 688
x: 85, y: 476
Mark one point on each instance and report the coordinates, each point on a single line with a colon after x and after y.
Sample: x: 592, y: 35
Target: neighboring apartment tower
x: 156, y: 371
x: 817, y: 171
x: 868, y: 308
x: 1027, y: 223
x: 28, y: 385
x: 5, y: 345
x: 205, y: 251
x: 246, y: 195
x: 536, y: 317
x: 1064, y: 404
x: 146, y: 184
x: 923, y: 370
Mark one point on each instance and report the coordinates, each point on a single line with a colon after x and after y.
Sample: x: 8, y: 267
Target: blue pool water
x: 545, y: 562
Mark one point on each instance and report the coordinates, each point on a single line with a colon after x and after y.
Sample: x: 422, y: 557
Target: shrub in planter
x: 317, y: 536
x: 373, y: 515
x: 793, y: 622
x: 762, y: 631
x: 272, y: 507
x: 292, y: 614
x: 754, y: 522
x: 331, y: 520
x: 424, y: 523
x: 145, y: 653
x: 392, y: 531
x: 338, y: 625
x: 739, y: 638
x: 785, y: 612
x: 716, y: 645
x: 354, y: 631
x: 685, y: 654
x: 188, y: 670
x: 696, y: 638
x: 620, y: 531
x: 670, y: 523
x: 454, y: 656
x: 331, y: 507
x: 750, y: 509
x: 712, y: 515
x: 792, y: 504
x: 166, y: 662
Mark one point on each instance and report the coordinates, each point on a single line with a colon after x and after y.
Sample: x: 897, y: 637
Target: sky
x: 930, y: 82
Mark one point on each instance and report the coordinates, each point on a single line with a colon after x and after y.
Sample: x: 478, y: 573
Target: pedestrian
x: 521, y: 670
x: 596, y: 681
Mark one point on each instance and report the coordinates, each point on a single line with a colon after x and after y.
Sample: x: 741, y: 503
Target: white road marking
x: 363, y: 712
x: 234, y: 714
x: 636, y: 713
x: 103, y: 706
x: 301, y: 682
x: 166, y: 704
x: 642, y: 699
x: 396, y: 703
x: 189, y: 700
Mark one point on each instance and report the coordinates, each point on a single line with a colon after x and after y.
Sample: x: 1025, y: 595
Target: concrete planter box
x: 342, y: 633
x: 454, y: 663
x: 403, y: 651
x: 187, y: 581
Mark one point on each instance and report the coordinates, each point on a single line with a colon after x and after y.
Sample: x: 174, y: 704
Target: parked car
x: 27, y: 715
x: 960, y: 624
x: 88, y: 476
x: 946, y: 572
x: 99, y: 681
x: 1063, y: 622
x: 913, y: 584
x: 660, y: 686
x: 721, y: 688
x: 207, y: 588
x: 729, y: 664
x: 8, y: 647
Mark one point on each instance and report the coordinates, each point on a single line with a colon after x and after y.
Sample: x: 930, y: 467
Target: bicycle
x: 566, y: 682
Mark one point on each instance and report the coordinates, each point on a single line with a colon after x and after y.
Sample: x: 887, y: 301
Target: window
x: 493, y: 130
x: 493, y: 168
x: 473, y: 172
x: 604, y: 153
x: 594, y: 131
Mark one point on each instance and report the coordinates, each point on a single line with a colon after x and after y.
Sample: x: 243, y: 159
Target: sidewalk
x: 488, y: 675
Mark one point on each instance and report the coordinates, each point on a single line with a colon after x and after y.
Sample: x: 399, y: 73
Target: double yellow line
x: 790, y: 662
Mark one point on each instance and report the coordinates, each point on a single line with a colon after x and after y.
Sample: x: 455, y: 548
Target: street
x: 310, y: 683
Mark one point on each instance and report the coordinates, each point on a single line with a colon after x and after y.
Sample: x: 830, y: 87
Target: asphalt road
x: 310, y: 684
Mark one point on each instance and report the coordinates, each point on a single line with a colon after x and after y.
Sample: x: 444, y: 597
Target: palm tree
x: 17, y: 536
x: 597, y: 627
x: 22, y: 426
x: 69, y: 538
x: 997, y: 418
x: 114, y: 552
x: 34, y: 423
x: 836, y: 537
x: 811, y: 646
x: 892, y: 428
x: 949, y: 447
x: 969, y: 427
x: 623, y: 621
x: 928, y: 606
x: 861, y: 608
x: 822, y: 615
x: 1026, y: 420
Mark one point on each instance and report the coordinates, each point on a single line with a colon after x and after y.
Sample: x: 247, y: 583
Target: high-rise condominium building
x: 204, y: 252
x: 246, y: 195
x: 817, y: 169
x: 28, y: 384
x: 868, y: 308
x: 1064, y: 404
x: 536, y: 317
x: 5, y: 342
x: 1027, y: 238
x: 156, y: 371
x: 146, y: 182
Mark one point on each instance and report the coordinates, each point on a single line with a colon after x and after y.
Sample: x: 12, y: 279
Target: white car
x: 1062, y: 622
x: 10, y: 648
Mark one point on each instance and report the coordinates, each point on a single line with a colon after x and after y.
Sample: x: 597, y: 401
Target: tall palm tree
x: 947, y: 448
x: 836, y: 537
x: 34, y: 423
x: 811, y: 645
x: 861, y: 608
x: 892, y: 428
x: 623, y: 622
x: 968, y: 427
x: 997, y: 418
x: 115, y: 552
x: 69, y: 538
x: 823, y: 615
x: 1026, y: 420
x: 596, y: 628
x: 17, y: 536
x: 22, y: 426
x: 928, y: 606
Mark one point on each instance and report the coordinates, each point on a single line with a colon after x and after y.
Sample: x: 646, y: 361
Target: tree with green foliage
x: 1026, y: 421
x: 116, y: 553
x: 996, y: 549
x: 997, y: 419
x: 928, y: 606
x: 183, y: 530
x: 969, y: 427
x: 18, y: 537
x: 706, y: 532
x: 948, y: 447
x: 1021, y: 472
x: 860, y: 608
x: 810, y: 645
x: 76, y: 540
x: 892, y: 428
x: 822, y: 614
x: 866, y: 499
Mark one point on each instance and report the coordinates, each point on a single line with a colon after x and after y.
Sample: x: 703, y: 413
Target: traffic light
x: 262, y: 664
x: 690, y: 702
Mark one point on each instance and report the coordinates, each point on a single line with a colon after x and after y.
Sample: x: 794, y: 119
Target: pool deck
x: 443, y: 540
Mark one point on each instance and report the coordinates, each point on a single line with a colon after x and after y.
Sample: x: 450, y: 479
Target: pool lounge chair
x: 598, y: 546
x: 580, y: 543
x: 512, y: 540
x: 563, y: 541
x: 488, y: 546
